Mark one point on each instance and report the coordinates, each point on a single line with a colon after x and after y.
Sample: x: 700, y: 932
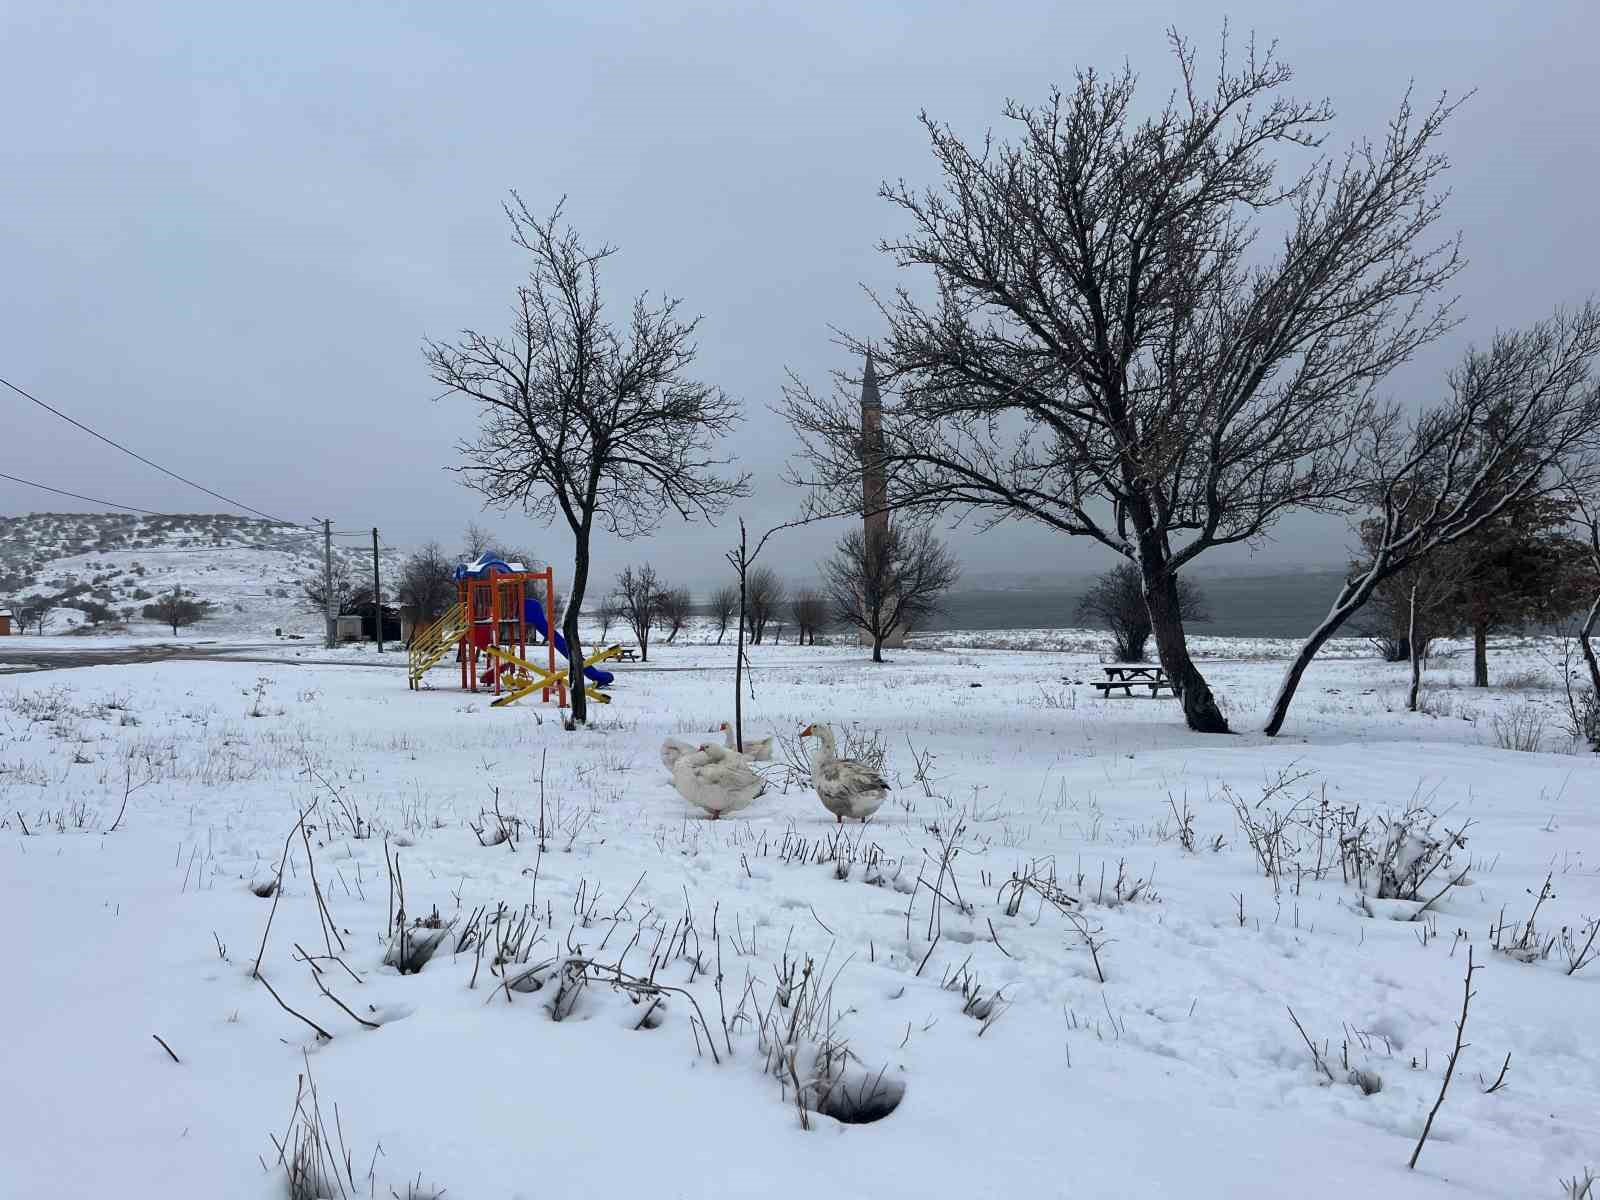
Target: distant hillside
x: 249, y: 569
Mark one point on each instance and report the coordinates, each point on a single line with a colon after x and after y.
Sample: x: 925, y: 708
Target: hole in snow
x: 860, y: 1097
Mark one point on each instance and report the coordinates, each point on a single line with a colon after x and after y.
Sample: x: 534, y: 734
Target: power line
x: 135, y: 454
x: 88, y: 499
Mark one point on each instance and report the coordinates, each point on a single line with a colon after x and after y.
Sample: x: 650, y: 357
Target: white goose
x: 755, y: 749
x: 846, y: 788
x: 673, y: 749
x: 717, y: 780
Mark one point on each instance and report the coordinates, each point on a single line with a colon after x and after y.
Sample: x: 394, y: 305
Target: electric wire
x: 135, y: 454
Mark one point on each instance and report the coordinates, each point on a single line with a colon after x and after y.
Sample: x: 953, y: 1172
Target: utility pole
x: 332, y: 638
x: 377, y: 601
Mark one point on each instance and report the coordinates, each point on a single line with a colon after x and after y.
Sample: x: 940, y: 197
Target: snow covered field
x: 948, y: 942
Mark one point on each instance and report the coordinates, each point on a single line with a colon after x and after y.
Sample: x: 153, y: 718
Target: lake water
x: 1241, y: 606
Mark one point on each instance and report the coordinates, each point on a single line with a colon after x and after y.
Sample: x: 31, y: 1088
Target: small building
x: 5, y: 622
x: 393, y: 624
x: 348, y: 628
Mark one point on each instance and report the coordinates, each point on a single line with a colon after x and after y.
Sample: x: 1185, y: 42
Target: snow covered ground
x: 947, y: 942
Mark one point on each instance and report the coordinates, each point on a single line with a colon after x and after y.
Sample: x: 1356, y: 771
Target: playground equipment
x: 498, y: 605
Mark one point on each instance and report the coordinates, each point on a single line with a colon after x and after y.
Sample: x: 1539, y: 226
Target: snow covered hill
x: 250, y: 570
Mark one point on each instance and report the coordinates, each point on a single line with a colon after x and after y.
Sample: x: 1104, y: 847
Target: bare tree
x: 765, y: 593
x: 38, y: 615
x: 888, y: 579
x: 724, y: 604
x: 607, y: 613
x: 1587, y: 510
x: 178, y: 609
x: 677, y: 606
x: 426, y: 585
x: 476, y: 541
x: 1116, y: 352
x: 742, y: 558
x: 579, y: 417
x: 1116, y: 601
x: 639, y: 600
x: 809, y: 609
x: 313, y: 589
x: 1519, y: 419
x: 1420, y: 596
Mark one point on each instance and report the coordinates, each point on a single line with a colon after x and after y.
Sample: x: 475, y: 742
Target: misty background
x: 227, y: 230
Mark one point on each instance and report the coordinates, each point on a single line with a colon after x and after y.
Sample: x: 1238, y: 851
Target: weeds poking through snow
x: 1450, y: 1067
x: 315, y: 1165
x: 412, y: 946
x: 1523, y: 941
x: 1500, y: 1079
x: 1184, y: 822
x: 1579, y: 945
x: 1521, y: 729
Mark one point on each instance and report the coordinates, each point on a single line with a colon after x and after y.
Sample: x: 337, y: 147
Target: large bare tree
x: 640, y: 596
x: 585, y: 417
x: 1518, y: 421
x: 427, y: 585
x: 889, y: 578
x: 1145, y: 330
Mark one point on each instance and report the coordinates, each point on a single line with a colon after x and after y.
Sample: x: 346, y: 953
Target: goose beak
x: 808, y: 731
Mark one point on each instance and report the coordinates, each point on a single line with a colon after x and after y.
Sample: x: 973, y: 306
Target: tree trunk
x: 1136, y: 646
x: 580, y: 583
x: 877, y: 648
x: 644, y: 645
x: 1480, y: 654
x: 1166, y: 622
x: 1414, y: 653
x: 1586, y: 645
x: 738, y: 663
x: 1351, y: 597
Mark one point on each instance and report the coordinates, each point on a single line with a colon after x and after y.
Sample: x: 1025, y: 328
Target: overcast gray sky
x: 227, y: 228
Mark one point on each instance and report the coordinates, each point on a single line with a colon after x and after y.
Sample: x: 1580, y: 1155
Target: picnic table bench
x: 1129, y: 677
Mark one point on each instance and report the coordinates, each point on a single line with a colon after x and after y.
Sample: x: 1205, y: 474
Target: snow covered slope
x: 250, y: 570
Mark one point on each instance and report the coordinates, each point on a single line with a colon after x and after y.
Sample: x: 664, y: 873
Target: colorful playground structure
x: 498, y: 605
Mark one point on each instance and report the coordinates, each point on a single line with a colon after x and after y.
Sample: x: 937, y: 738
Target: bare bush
x: 1407, y: 856
x: 1521, y: 729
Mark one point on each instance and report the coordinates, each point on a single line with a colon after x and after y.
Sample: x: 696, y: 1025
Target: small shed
x: 348, y: 628
x: 5, y: 622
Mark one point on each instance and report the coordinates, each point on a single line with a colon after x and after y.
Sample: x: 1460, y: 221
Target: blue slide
x: 533, y: 614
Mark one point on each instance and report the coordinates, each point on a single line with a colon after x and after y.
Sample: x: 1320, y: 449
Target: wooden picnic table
x: 1135, y: 671
x: 628, y: 654
x: 1128, y: 676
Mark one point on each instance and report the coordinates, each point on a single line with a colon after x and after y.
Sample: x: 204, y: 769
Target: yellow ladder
x: 431, y: 643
